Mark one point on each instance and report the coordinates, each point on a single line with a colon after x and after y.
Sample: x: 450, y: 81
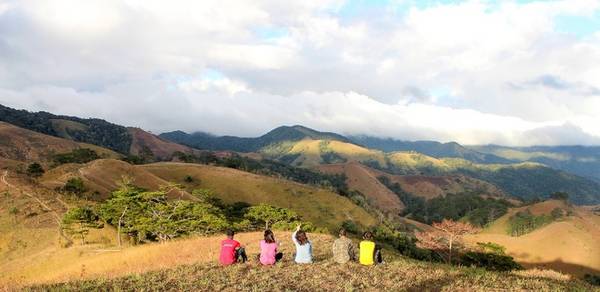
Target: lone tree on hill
x: 446, y: 238
x: 79, y: 221
x: 35, y: 170
x: 270, y: 215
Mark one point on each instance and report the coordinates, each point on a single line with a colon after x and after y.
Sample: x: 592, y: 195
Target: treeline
x: 98, y: 132
x: 336, y: 182
x: 151, y: 216
x: 470, y: 206
x: 82, y: 155
x: 524, y: 222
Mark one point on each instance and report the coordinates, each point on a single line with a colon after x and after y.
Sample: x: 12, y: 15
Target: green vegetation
x: 490, y: 261
x: 82, y: 155
x: 150, y: 216
x: 524, y: 222
x: 78, y: 221
x: 335, y: 182
x: 74, y: 186
x: 469, y: 206
x: 96, y: 131
x: 35, y: 170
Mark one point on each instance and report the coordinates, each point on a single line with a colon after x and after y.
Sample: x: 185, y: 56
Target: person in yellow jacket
x: 369, y: 252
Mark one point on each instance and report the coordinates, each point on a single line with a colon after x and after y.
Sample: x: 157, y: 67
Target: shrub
x: 592, y: 279
x: 35, y: 170
x: 490, y: 261
x: 351, y: 227
x: 83, y: 155
x: 75, y: 186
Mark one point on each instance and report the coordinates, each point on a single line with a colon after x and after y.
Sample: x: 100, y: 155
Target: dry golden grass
x: 322, y: 207
x: 397, y: 274
x: 159, y: 147
x: 569, y: 245
x: 360, y: 178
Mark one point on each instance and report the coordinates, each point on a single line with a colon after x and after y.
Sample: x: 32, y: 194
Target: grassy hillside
x: 206, y: 141
x: 580, y: 160
x: 92, y: 131
x: 320, y: 206
x: 430, y: 148
x: 202, y: 274
x: 569, y: 245
x: 523, y: 180
x: 360, y: 178
x: 144, y: 143
x: 24, y: 145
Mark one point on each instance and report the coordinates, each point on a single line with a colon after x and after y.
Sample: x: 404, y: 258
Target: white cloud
x: 469, y: 72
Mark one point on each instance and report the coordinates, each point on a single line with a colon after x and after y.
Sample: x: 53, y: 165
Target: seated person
x: 343, y: 249
x: 231, y: 250
x: 370, y: 253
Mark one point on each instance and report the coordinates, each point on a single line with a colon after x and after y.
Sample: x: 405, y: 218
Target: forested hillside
x: 93, y: 131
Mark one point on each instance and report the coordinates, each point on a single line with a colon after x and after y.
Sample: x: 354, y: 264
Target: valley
x: 325, y: 179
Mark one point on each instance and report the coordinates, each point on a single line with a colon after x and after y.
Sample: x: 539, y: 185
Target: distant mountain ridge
x: 303, y: 147
x: 580, y: 160
x: 207, y: 141
x: 431, y: 148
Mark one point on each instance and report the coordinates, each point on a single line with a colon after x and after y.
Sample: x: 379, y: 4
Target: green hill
x: 522, y: 180
x: 580, y: 160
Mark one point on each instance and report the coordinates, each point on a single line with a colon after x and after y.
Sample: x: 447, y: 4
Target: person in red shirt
x: 231, y: 251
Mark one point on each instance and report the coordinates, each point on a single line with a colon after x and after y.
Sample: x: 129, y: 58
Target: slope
x: 580, y: 160
x: 206, y: 141
x: 204, y: 275
x: 522, y: 180
x: 361, y: 179
x: 144, y: 143
x: 431, y: 148
x: 320, y: 206
x: 25, y: 145
x: 569, y: 245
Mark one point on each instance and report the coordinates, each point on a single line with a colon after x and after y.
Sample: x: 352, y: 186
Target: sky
x: 509, y: 72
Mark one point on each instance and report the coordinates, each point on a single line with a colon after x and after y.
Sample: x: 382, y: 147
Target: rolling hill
x: 580, y: 160
x: 284, y: 133
x: 521, y: 180
x: 430, y: 148
x: 25, y: 145
x: 569, y: 245
x: 120, y: 139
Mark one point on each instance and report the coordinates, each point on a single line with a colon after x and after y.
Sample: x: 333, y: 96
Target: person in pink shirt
x: 231, y: 251
x: 268, y: 249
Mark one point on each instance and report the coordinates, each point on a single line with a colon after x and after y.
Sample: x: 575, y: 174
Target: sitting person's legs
x: 278, y: 256
x: 240, y: 254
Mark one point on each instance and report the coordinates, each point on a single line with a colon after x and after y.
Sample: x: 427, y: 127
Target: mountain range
x: 523, y: 173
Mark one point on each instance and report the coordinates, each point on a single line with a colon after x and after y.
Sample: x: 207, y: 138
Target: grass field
x: 570, y: 245
x: 200, y: 272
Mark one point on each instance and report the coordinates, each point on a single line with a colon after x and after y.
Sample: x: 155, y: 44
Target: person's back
x: 231, y: 250
x: 367, y: 250
x: 268, y: 249
x: 303, y: 247
x: 343, y: 248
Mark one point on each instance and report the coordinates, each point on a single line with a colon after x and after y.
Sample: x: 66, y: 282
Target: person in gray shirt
x: 343, y: 249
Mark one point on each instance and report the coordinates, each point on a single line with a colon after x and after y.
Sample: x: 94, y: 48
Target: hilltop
x: 201, y: 273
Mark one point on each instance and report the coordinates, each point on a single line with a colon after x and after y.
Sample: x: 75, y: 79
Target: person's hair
x: 342, y: 232
x: 269, y: 236
x: 301, y: 237
x: 368, y: 235
x: 229, y: 233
